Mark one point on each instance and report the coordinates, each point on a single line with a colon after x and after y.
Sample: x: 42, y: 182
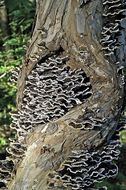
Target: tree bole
x: 73, y: 30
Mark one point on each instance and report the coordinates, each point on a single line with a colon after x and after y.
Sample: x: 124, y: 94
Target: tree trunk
x: 77, y: 75
x: 3, y: 19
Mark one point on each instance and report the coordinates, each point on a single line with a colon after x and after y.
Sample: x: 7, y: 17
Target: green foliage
x: 123, y: 136
x: 13, y: 47
x: 3, y: 144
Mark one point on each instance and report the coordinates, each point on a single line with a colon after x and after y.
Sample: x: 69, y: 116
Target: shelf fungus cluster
x: 52, y: 89
x: 113, y: 34
x: 84, y: 168
x: 14, y: 75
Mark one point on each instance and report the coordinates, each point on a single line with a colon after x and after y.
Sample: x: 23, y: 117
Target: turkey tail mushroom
x: 84, y: 168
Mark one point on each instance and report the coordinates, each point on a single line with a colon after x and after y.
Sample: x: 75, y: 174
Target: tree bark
x: 70, y: 28
x: 3, y: 19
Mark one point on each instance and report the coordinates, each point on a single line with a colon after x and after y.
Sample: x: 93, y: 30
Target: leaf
x: 2, y: 141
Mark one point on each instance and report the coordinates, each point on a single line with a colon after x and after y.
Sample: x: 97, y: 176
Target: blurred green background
x: 16, y: 23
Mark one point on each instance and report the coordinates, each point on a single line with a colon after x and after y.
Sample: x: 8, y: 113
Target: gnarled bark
x: 72, y: 30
